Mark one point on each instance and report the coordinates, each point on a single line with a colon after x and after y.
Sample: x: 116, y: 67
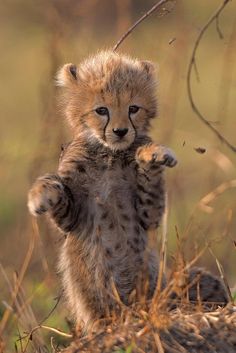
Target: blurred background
x: 36, y: 38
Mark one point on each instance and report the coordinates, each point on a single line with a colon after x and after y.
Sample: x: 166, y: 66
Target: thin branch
x: 162, y: 264
x: 158, y: 343
x: 29, y: 335
x: 218, y: 28
x: 52, y: 310
x: 147, y: 14
x: 24, y: 267
x: 222, y: 275
x: 192, y: 64
x: 211, y: 196
x: 196, y: 70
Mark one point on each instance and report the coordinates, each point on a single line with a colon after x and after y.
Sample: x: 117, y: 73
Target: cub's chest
x: 114, y: 184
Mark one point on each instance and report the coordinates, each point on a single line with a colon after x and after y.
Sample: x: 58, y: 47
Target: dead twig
x: 222, y: 275
x: 54, y: 349
x: 29, y: 335
x: 147, y: 14
x: 211, y: 196
x: 218, y: 28
x: 192, y: 65
x: 26, y: 316
x: 52, y: 310
x: 24, y: 267
x: 162, y: 266
x: 158, y: 342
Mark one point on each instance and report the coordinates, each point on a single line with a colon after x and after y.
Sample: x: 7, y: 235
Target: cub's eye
x: 102, y: 111
x: 133, y: 109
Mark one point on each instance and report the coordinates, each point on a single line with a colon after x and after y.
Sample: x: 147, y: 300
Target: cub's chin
x: 119, y: 145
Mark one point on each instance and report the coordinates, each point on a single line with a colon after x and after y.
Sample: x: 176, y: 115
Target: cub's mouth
x: 120, y: 144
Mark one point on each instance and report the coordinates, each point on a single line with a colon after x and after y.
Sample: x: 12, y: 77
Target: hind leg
x: 201, y: 286
x: 208, y: 288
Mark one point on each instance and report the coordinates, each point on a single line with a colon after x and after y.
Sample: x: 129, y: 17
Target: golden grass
x: 180, y: 330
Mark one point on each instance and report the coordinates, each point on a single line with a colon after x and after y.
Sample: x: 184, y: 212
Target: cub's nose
x: 120, y: 132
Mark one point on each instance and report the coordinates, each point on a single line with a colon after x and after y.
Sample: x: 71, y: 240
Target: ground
x: 180, y: 330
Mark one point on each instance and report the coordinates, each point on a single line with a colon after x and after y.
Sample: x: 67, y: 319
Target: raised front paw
x: 153, y: 154
x: 45, y: 194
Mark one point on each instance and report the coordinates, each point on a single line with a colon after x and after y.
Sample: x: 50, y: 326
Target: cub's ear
x: 149, y: 67
x: 67, y: 75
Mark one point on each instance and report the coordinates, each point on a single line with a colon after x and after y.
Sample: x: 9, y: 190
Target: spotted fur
x: 109, y: 189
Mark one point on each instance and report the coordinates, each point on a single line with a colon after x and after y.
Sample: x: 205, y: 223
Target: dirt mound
x: 178, y: 331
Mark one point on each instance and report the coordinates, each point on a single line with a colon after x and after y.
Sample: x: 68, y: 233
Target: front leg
x: 49, y: 194
x: 151, y: 160
x: 45, y: 194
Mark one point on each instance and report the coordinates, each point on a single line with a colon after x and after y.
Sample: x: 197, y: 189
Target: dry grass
x: 167, y: 323
x: 180, y: 330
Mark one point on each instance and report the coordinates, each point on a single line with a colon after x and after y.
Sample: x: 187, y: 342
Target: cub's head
x: 109, y: 97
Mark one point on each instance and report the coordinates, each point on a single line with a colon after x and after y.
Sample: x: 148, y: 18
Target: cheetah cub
x: 109, y: 187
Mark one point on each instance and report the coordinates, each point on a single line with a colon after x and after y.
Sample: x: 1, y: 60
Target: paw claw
x: 169, y: 160
x: 154, y: 157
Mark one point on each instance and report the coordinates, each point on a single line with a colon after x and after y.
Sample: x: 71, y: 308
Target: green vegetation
x: 127, y: 350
